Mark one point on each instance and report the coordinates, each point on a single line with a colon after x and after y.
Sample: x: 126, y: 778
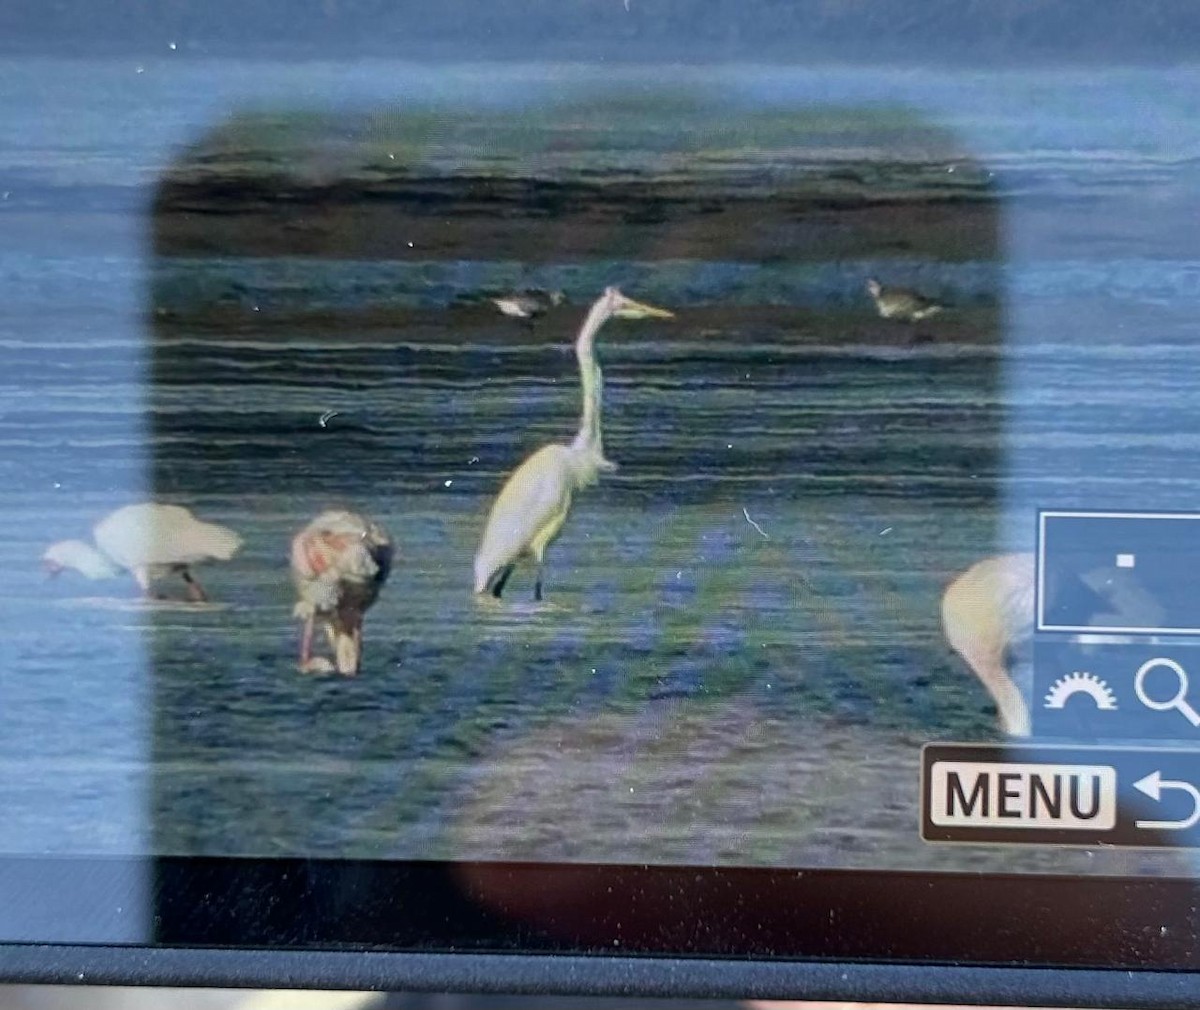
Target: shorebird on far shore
x: 902, y: 304
x: 528, y: 305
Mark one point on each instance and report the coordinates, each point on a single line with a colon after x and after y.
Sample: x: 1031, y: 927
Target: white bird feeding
x: 339, y: 562
x: 149, y: 541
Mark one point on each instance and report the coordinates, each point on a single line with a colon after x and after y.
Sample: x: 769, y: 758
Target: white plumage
x: 150, y: 541
x: 534, y: 502
x: 985, y: 611
x: 528, y: 305
x: 988, y: 611
x: 339, y: 563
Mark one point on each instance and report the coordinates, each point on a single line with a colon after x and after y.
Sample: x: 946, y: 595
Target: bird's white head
x: 79, y: 557
x: 874, y: 287
x: 624, y: 307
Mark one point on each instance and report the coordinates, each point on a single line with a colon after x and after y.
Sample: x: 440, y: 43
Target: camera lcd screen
x: 598, y: 449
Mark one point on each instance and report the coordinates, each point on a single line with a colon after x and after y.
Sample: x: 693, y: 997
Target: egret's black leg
x: 195, y: 591
x: 537, y: 586
x: 500, y: 579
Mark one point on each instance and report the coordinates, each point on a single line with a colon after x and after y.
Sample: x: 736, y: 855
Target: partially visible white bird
x: 149, y: 541
x: 985, y: 612
x: 339, y: 563
x: 988, y: 612
x: 533, y: 504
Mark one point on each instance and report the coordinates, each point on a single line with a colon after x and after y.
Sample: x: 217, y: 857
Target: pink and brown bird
x: 340, y: 561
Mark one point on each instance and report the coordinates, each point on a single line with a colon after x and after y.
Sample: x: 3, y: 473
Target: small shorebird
x: 148, y: 541
x: 339, y: 563
x: 902, y: 304
x: 529, y: 305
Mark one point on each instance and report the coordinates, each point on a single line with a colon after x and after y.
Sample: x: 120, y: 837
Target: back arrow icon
x: 1153, y: 785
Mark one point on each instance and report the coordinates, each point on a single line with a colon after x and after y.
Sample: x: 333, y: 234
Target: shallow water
x: 738, y: 655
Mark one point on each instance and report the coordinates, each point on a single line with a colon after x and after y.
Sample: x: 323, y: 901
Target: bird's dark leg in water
x: 306, y: 637
x: 537, y: 586
x: 500, y: 579
x: 195, y: 591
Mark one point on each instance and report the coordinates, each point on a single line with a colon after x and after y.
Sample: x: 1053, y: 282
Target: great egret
x: 339, y: 563
x: 149, y: 541
x: 529, y: 305
x: 903, y: 304
x: 533, y: 504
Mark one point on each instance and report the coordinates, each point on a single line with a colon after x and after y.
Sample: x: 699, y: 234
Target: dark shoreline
x: 613, y: 175
x: 601, y: 222
x: 975, y: 326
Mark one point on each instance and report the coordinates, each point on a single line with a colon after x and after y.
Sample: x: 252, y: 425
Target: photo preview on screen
x: 618, y: 439
x: 760, y: 469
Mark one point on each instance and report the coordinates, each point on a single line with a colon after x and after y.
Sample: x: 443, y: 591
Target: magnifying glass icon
x: 1178, y: 700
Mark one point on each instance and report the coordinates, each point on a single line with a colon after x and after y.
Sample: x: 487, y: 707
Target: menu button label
x: 969, y: 794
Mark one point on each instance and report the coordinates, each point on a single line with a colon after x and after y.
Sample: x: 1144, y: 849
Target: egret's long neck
x: 590, y: 437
